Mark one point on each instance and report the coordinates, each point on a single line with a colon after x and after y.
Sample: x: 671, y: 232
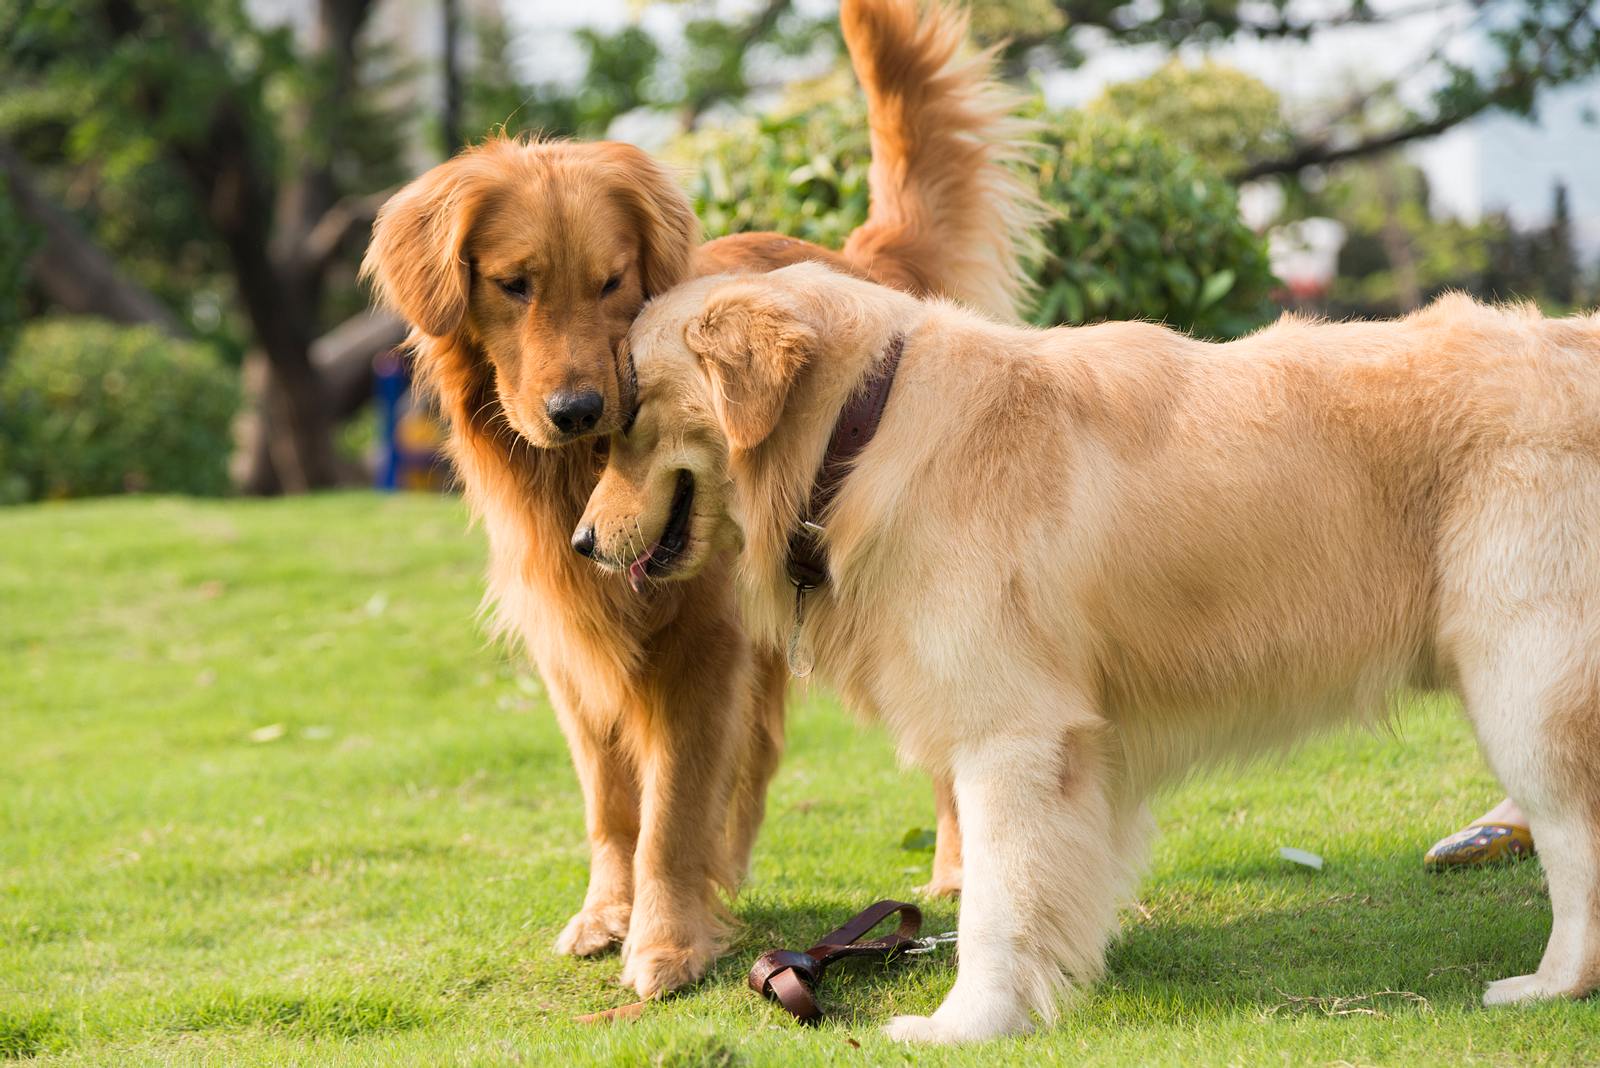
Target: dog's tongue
x: 636, y: 573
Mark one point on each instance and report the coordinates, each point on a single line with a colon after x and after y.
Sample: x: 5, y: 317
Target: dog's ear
x: 752, y: 344
x: 667, y: 226
x: 417, y: 254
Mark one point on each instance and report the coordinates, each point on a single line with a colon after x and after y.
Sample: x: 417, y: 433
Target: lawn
x: 271, y: 798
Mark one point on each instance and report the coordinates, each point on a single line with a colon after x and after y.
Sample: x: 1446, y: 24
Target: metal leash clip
x: 930, y: 944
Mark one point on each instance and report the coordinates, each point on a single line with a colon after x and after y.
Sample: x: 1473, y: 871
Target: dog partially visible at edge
x: 521, y: 265
x: 1072, y: 565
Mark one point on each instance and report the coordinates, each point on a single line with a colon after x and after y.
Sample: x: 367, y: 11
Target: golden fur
x: 521, y: 266
x: 1075, y: 564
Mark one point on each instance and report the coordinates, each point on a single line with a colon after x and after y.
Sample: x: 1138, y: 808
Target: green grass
x: 269, y: 798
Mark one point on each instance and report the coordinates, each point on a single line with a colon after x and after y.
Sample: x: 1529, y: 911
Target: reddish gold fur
x: 672, y: 713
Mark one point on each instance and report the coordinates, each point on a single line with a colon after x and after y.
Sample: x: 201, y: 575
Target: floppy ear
x: 668, y: 228
x: 752, y: 346
x: 416, y: 254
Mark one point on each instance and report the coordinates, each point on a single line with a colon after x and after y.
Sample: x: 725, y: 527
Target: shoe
x: 1479, y: 845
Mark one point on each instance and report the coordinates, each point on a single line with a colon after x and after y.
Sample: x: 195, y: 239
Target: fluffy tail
x: 950, y: 215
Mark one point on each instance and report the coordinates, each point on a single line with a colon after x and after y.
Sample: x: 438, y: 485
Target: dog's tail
x: 950, y: 214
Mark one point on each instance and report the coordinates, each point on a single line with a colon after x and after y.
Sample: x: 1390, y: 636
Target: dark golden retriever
x: 521, y: 266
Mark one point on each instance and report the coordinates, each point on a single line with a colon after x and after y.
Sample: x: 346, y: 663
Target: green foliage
x: 801, y: 171
x: 1222, y: 115
x: 89, y: 408
x: 104, y: 116
x: 1144, y: 230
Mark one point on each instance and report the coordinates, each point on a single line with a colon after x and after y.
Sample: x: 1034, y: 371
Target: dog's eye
x: 515, y: 288
x: 611, y: 285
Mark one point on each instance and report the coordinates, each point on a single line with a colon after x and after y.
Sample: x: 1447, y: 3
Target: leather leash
x: 858, y: 421
x: 790, y: 978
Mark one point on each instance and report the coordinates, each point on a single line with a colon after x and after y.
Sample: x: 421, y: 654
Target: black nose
x: 583, y: 540
x: 575, y: 412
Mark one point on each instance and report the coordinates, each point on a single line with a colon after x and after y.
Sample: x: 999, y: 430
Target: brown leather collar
x: 858, y: 422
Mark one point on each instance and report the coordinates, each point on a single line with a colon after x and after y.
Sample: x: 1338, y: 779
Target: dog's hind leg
x: 1049, y: 848
x: 1522, y: 620
x: 946, y: 879
x: 1538, y: 715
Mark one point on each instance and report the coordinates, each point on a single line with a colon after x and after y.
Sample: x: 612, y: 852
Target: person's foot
x: 1499, y: 836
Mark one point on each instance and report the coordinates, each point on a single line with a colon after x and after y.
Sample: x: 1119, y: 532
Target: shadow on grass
x: 1374, y: 939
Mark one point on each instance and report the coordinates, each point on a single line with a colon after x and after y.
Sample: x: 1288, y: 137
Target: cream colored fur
x: 1075, y: 564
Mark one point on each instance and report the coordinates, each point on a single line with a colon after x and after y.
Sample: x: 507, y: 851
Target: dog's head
x: 539, y: 255
x: 716, y: 362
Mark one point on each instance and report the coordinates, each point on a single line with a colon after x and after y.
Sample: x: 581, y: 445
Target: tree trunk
x: 1395, y: 240
x: 74, y: 271
x: 450, y: 117
x: 342, y: 359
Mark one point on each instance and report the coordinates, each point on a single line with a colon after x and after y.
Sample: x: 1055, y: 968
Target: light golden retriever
x: 521, y: 266
x: 1073, y: 564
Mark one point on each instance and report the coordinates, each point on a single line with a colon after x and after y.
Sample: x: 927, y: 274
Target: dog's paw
x: 922, y: 1030
x: 659, y: 969
x: 943, y: 884
x: 594, y: 931
x: 961, y: 1020
x: 1521, y: 989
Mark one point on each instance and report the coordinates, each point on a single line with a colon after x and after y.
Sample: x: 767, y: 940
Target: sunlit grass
x: 269, y: 798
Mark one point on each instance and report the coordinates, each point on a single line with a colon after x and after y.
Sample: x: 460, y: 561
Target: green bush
x: 88, y: 407
x: 1143, y: 229
x: 801, y: 171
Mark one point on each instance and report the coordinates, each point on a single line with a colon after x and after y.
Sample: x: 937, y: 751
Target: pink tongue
x: 636, y: 573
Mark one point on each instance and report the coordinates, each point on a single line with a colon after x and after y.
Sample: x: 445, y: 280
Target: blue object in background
x: 394, y: 379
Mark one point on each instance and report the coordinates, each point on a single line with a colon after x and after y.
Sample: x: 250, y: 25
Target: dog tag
x: 799, y: 655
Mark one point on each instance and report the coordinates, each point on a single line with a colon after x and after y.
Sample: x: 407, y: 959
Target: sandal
x: 1479, y: 845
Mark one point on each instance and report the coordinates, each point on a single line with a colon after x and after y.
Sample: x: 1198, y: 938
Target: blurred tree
x: 1396, y: 254
x: 1222, y: 115
x: 212, y: 156
x: 629, y: 68
x: 1541, y: 263
x: 1399, y: 254
x: 1560, y: 265
x: 1529, y: 46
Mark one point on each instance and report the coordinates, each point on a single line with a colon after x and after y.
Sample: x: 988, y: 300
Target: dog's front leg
x: 1042, y: 838
x: 687, y: 761
x: 611, y: 816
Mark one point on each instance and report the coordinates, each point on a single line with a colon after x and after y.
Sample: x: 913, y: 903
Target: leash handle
x: 790, y: 977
